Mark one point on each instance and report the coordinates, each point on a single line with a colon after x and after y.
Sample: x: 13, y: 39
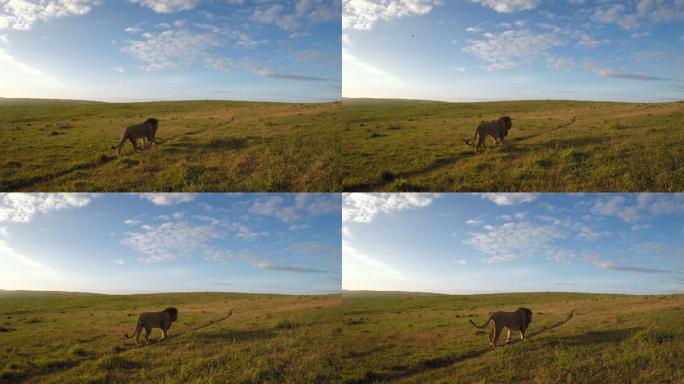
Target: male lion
x: 496, y: 129
x: 518, y: 320
x: 149, y: 320
x: 143, y: 131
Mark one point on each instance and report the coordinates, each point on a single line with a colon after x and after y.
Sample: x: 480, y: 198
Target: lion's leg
x: 135, y: 144
x: 148, y: 330
x: 497, y: 333
x: 138, y: 328
x: 522, y: 335
x: 164, y: 330
x: 508, y: 337
x: 480, y: 143
x: 492, y: 332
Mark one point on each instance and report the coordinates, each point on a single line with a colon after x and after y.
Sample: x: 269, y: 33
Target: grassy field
x: 402, y: 145
x: 573, y: 338
x: 57, y: 145
x: 78, y: 338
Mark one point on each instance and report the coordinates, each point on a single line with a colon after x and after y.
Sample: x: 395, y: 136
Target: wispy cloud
x: 33, y: 266
x: 606, y: 264
x: 30, y: 70
x: 373, y: 265
x: 253, y: 260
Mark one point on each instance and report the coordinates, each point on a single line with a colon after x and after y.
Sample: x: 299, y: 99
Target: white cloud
x: 643, y: 207
x: 364, y: 14
x: 298, y: 227
x: 21, y: 207
x: 169, y: 241
x: 509, y: 6
x: 510, y: 241
x: 168, y: 6
x: 119, y: 69
x: 171, y: 48
x: 132, y: 222
x: 168, y: 198
x: 510, y: 198
x: 305, y: 204
x: 118, y: 261
x: 508, y: 49
x: 275, y: 206
x: 133, y: 30
x: 303, y: 12
x: 22, y: 14
x: 461, y: 261
x: 364, y: 207
x: 473, y: 222
x: 615, y: 207
x: 474, y: 29
x: 614, y: 14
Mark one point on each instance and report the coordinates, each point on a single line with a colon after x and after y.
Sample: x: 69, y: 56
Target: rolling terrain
x: 573, y: 338
x: 65, y: 146
x: 53, y: 337
x: 407, y: 145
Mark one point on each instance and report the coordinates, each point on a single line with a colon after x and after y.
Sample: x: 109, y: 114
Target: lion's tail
x: 483, y: 325
x: 137, y: 327
x: 121, y: 142
x: 473, y: 141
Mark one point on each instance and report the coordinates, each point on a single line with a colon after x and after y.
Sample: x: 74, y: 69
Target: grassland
x: 573, y: 338
x: 57, y: 145
x: 402, y: 145
x: 78, y: 338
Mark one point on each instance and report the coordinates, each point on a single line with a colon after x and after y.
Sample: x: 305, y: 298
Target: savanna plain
x: 553, y: 146
x: 56, y: 337
x: 573, y: 338
x: 65, y: 146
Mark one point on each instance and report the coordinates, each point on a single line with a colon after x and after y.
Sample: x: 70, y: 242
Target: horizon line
x: 509, y: 100
x: 133, y: 293
x: 506, y: 293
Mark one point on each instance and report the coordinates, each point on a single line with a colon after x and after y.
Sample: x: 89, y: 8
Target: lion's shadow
x: 220, y: 144
x: 596, y: 337
x: 228, y: 335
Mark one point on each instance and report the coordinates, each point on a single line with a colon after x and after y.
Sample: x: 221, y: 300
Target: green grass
x: 59, y: 145
x: 573, y: 338
x: 404, y: 145
x: 79, y: 338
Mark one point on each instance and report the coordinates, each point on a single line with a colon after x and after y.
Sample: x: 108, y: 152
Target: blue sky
x: 129, y: 243
x: 470, y: 50
x: 131, y: 50
x: 483, y: 243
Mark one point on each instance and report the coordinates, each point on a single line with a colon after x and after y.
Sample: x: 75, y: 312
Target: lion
x: 150, y: 320
x: 496, y: 129
x: 144, y: 131
x: 518, y: 320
